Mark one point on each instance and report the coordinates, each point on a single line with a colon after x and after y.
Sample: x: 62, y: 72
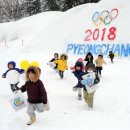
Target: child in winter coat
x: 56, y: 57
x: 99, y: 63
x: 78, y: 74
x: 62, y: 65
x: 37, y: 96
x: 111, y: 56
x: 12, y: 66
x: 89, y: 58
x: 79, y: 60
x: 88, y: 97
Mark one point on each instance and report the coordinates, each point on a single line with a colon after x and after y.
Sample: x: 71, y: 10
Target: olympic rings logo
x: 105, y: 17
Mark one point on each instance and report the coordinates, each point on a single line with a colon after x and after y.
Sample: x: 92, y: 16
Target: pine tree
x: 37, y: 6
x: 52, y: 5
x: 33, y: 6
x: 72, y: 3
x: 94, y: 1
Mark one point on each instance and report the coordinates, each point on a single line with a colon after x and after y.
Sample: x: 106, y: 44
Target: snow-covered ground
x: 44, y: 34
x: 111, y: 104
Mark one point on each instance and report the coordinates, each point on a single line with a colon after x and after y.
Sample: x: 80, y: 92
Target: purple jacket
x: 36, y: 92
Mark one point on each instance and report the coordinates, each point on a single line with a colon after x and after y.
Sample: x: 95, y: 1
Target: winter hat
x: 89, y: 53
x: 35, y: 70
x: 80, y: 60
x: 12, y: 63
x: 90, y: 65
x: 80, y: 64
x: 66, y: 56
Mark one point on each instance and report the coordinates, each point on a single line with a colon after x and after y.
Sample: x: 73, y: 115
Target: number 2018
x: 95, y: 34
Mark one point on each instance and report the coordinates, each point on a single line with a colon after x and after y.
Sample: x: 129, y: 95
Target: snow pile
x: 52, y: 30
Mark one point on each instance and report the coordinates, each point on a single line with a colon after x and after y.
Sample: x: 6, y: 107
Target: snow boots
x: 32, y: 120
x: 75, y: 89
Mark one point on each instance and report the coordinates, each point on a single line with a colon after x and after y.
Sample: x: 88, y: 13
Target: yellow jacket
x: 62, y: 65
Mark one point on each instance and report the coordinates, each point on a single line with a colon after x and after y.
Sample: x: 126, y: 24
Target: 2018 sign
x: 99, y: 35
x: 94, y: 35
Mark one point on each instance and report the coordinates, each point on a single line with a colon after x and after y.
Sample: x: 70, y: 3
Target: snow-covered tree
x: 32, y: 6
x: 51, y: 5
x: 10, y: 9
x: 17, y: 9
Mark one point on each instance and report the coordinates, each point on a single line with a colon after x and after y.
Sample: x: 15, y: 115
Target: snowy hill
x: 36, y: 38
x: 59, y: 29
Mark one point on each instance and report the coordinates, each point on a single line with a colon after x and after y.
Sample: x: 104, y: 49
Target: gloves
x: 46, y: 106
x: 3, y: 76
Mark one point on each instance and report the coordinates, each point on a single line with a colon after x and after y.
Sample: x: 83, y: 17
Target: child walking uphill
x: 89, y: 97
x: 111, y: 56
x: 37, y: 96
x: 12, y: 66
x: 79, y: 60
x: 56, y: 57
x: 88, y: 58
x: 78, y: 74
x: 99, y: 63
x: 62, y: 64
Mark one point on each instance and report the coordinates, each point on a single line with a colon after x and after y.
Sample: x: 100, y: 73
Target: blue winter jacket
x: 78, y: 75
x: 21, y: 71
x: 17, y: 69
